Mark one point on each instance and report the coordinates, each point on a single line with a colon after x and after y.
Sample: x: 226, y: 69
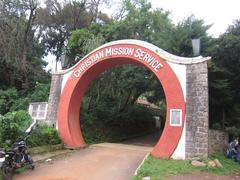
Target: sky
x: 219, y: 13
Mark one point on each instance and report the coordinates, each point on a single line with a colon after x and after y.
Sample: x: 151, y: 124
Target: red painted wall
x: 99, y: 61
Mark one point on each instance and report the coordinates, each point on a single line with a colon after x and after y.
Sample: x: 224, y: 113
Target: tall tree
x: 58, y: 19
x: 20, y: 49
x: 124, y: 85
x: 190, y: 28
x: 225, y: 78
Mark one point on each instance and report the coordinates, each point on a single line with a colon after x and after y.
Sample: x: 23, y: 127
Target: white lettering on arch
x: 137, y: 53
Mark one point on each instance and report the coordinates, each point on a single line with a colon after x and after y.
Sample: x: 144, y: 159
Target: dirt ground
x: 99, y: 162
x: 106, y: 161
x: 205, y: 176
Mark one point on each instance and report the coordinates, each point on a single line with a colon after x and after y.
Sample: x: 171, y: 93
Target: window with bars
x: 38, y: 111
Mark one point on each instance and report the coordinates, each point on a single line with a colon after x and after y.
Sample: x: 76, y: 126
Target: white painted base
x: 179, y: 152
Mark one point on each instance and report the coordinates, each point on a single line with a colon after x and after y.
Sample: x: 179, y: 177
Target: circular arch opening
x: 75, y: 87
x: 124, y: 104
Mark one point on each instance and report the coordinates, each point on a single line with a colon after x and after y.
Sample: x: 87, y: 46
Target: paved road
x: 149, y: 140
x: 106, y: 161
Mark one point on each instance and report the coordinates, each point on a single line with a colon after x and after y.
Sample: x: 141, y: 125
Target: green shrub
x: 13, y: 100
x: 233, y: 131
x: 39, y: 94
x: 43, y: 135
x: 105, y: 122
x: 13, y: 126
x: 7, y: 99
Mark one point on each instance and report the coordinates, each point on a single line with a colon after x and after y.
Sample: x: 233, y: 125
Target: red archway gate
x: 170, y: 74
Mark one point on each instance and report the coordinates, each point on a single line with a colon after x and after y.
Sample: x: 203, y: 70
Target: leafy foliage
x: 101, y: 125
x: 43, y: 135
x: 21, y: 52
x: 188, y: 29
x: 13, y: 126
x: 80, y: 43
x: 7, y: 99
x: 58, y: 19
x: 233, y: 131
x: 40, y: 94
x: 109, y: 107
x: 224, y: 79
x: 13, y: 100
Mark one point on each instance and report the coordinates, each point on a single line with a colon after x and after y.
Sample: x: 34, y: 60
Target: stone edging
x: 144, y: 159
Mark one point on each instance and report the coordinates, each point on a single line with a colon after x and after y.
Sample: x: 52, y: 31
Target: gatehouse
x: 185, y: 85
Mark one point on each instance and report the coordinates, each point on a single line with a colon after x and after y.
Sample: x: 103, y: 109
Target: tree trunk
x: 126, y: 101
x: 89, y: 103
x: 25, y: 45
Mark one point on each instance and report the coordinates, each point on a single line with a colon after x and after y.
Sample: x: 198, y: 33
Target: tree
x: 20, y: 49
x: 140, y: 22
x: 185, y: 31
x: 112, y: 96
x: 80, y: 43
x: 225, y: 78
x: 57, y: 20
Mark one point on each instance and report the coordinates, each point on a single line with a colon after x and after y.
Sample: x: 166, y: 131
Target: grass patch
x: 229, y: 165
x: 162, y: 168
x: 21, y: 170
x: 1, y: 176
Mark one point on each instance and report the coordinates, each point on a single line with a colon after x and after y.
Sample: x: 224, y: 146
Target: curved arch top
x: 164, y: 55
x: 107, y: 56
